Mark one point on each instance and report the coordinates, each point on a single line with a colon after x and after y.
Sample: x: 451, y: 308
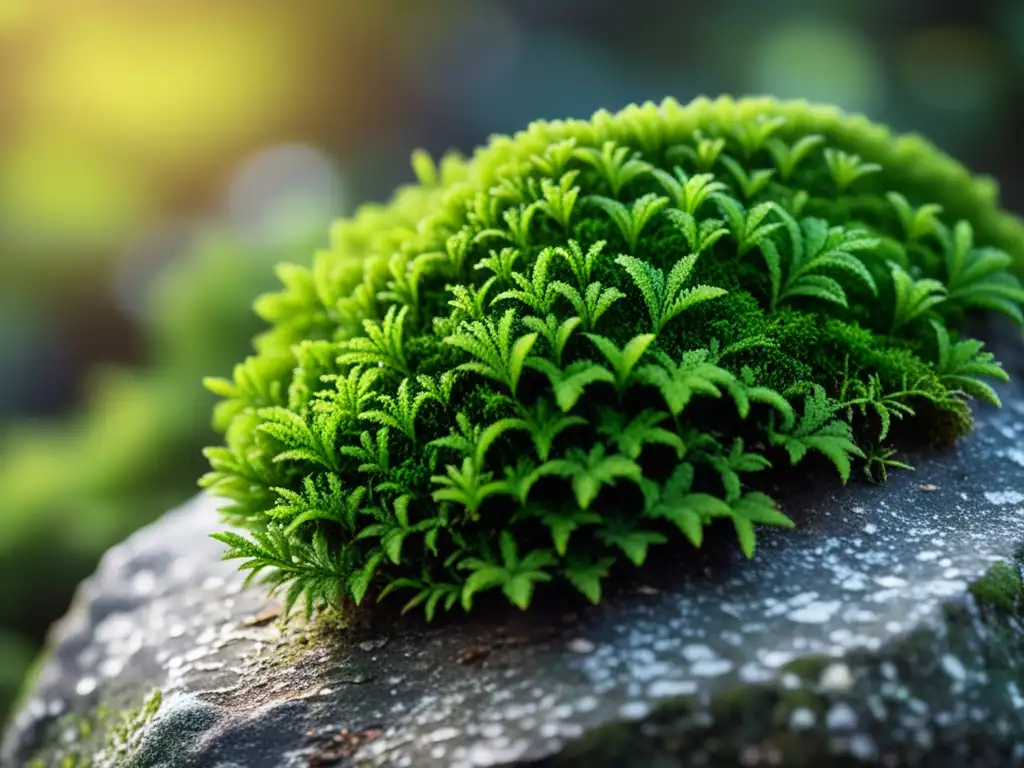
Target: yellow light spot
x: 169, y: 85
x: 55, y: 189
x: 15, y: 15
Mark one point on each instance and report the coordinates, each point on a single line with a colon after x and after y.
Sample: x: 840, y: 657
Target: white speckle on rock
x: 491, y: 730
x: 111, y: 667
x: 804, y: 598
x: 863, y: 747
x: 661, y: 689
x: 211, y: 583
x: 947, y: 587
x: 1004, y: 497
x: 143, y: 583
x: 870, y: 529
x: 86, y: 686
x: 580, y: 645
x: 1015, y: 455
x: 36, y: 709
x: 841, y: 718
x: 586, y: 704
x: 197, y: 653
x: 855, y: 583
x: 802, y: 718
x: 116, y: 626
x: 818, y: 612
x: 775, y: 658
x: 752, y: 673
x: 634, y: 710
x: 954, y: 667
x: 791, y: 681
x: 483, y: 754
x: 710, y: 667
x: 890, y: 582
x: 441, y: 734
x: 549, y: 730
x: 697, y: 652
x: 1015, y: 696
x: 836, y: 677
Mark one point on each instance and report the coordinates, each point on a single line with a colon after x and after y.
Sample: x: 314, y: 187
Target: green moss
x: 1001, y: 589
x: 736, y: 727
x: 104, y: 739
x: 596, y: 337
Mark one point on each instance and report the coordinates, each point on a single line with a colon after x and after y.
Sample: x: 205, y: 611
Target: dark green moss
x: 1001, y: 589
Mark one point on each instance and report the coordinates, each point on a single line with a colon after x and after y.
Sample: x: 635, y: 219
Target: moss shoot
x: 597, y: 337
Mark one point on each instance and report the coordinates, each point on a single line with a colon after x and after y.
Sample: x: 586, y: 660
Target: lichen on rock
x: 101, y: 738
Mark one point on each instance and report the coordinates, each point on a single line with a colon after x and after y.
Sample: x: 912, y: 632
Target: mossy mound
x: 598, y: 337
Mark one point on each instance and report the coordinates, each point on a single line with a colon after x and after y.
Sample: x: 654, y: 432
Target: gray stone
x: 853, y: 640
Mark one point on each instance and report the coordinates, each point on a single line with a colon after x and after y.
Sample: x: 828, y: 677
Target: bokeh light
x: 58, y: 194
x: 165, y: 86
x: 819, y: 61
x: 283, y: 192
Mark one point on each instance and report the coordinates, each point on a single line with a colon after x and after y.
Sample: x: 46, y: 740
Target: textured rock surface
x: 855, y: 636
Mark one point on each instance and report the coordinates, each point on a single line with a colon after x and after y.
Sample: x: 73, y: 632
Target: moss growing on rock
x: 106, y: 739
x: 598, y: 337
x: 1001, y: 588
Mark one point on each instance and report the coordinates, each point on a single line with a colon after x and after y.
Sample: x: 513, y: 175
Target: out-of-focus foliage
x: 73, y: 488
x: 15, y: 657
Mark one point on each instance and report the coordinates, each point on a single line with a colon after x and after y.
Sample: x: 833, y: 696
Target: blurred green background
x: 156, y: 158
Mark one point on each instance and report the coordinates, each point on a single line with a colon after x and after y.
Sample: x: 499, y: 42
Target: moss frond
x: 598, y: 337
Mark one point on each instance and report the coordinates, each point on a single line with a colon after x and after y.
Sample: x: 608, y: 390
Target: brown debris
x: 269, y: 613
x: 342, y: 745
x: 473, y: 653
x: 482, y: 650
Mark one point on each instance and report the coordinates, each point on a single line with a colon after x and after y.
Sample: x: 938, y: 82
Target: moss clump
x: 597, y: 337
x: 1001, y: 589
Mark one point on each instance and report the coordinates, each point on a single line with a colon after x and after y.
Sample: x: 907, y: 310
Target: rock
x: 870, y: 635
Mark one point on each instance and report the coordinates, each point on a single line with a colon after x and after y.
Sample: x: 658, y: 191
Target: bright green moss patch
x: 597, y: 337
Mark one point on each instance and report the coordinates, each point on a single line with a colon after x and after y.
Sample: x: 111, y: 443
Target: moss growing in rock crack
x: 597, y: 337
